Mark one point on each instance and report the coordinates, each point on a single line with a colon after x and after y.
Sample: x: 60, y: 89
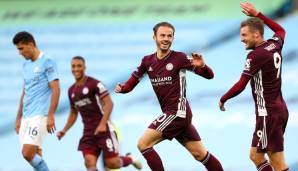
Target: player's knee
x: 257, y: 159
x: 28, y: 155
x: 112, y: 163
x: 142, y: 145
x: 89, y: 163
x: 199, y: 155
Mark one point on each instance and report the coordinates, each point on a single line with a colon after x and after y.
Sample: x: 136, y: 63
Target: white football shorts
x: 33, y: 130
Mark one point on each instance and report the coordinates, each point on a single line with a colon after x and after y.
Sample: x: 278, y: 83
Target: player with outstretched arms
x: 166, y: 69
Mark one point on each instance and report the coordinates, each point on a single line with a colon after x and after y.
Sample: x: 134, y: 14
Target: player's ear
x: 31, y: 44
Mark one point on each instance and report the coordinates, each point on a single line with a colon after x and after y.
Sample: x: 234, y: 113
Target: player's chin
x: 164, y: 47
x: 247, y: 47
x: 77, y: 76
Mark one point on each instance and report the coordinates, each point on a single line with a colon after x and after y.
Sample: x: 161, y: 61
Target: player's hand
x: 60, y: 134
x: 51, y: 124
x: 102, y: 128
x: 249, y: 9
x: 221, y: 106
x: 118, y: 88
x: 18, y: 125
x: 197, y: 60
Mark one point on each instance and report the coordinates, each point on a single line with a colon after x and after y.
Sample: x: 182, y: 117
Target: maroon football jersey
x: 168, y: 79
x: 86, y: 98
x: 264, y: 65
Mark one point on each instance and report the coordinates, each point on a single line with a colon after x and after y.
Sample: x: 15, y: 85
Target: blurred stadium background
x: 113, y: 36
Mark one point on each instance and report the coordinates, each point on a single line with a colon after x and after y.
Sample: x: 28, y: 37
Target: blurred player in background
x: 38, y: 101
x: 263, y: 68
x: 91, y: 98
x: 167, y: 72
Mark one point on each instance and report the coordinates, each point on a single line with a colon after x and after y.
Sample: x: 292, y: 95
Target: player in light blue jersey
x: 39, y: 100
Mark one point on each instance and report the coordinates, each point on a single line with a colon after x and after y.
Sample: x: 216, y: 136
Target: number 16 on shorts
x: 32, y: 131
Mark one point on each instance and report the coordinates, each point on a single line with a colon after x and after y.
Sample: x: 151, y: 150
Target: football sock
x: 125, y: 161
x: 38, y: 163
x: 153, y: 159
x: 265, y: 167
x: 211, y: 163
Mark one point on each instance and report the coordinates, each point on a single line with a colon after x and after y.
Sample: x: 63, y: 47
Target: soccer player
x: 91, y: 98
x: 166, y: 69
x: 263, y: 69
x: 38, y: 101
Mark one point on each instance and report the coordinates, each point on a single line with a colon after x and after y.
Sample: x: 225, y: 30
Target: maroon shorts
x: 176, y: 127
x: 269, y: 131
x: 94, y: 144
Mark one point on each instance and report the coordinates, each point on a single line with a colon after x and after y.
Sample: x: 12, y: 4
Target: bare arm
x: 20, y: 112
x: 72, y: 117
x: 55, y: 87
x: 107, y: 110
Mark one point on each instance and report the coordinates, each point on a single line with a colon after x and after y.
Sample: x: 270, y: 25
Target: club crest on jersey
x: 85, y: 90
x: 72, y: 95
x: 247, y: 65
x: 169, y: 66
x: 150, y: 69
x: 36, y: 69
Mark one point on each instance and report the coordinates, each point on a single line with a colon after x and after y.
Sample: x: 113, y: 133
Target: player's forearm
x: 236, y: 89
x: 70, y: 121
x: 107, y: 109
x: 205, y: 72
x: 130, y: 84
x: 278, y: 29
x: 54, y: 99
x: 20, y: 110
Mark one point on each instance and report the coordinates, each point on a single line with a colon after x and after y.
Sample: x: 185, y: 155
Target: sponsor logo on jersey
x: 85, y: 90
x: 247, y: 65
x: 161, y: 81
x: 270, y: 47
x: 83, y: 102
x: 169, y: 66
x: 275, y: 38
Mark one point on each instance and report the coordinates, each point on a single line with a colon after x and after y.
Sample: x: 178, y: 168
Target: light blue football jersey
x: 37, y: 76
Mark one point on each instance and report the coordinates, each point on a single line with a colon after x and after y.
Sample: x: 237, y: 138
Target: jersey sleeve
x: 254, y: 63
x: 51, y: 70
x: 101, y: 90
x: 186, y: 63
x: 204, y: 71
x: 71, y: 102
x: 141, y: 70
x: 277, y: 40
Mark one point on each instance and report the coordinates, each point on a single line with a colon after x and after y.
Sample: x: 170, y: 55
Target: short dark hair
x: 23, y: 37
x: 255, y: 24
x: 78, y: 58
x: 165, y: 24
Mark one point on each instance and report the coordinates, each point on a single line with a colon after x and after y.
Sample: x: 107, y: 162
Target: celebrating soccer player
x: 167, y: 72
x: 91, y: 98
x: 38, y: 101
x: 263, y: 68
